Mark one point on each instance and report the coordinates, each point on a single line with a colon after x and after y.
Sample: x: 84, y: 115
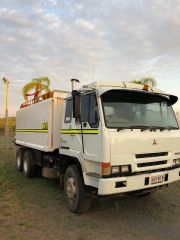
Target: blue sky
x: 120, y: 40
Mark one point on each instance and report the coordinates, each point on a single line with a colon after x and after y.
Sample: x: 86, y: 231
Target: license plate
x: 157, y: 179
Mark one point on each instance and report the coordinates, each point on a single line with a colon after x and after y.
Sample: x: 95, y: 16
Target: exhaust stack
x: 74, y: 83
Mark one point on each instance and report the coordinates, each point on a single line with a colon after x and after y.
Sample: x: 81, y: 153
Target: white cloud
x: 14, y: 17
x: 63, y: 39
x: 85, y: 24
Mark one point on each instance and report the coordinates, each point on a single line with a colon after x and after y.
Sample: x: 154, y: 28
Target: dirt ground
x: 34, y: 209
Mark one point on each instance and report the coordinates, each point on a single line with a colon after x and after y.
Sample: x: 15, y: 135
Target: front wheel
x: 75, y: 192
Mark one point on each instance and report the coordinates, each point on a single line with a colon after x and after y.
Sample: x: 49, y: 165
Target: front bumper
x: 136, y: 182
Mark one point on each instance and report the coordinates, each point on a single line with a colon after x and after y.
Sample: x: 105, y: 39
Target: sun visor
x: 173, y: 99
x: 102, y: 90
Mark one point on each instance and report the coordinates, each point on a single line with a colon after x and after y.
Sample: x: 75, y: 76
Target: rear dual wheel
x: 25, y: 163
x: 19, y: 159
x: 29, y: 168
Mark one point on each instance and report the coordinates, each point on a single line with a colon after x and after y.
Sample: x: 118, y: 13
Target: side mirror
x: 76, y: 104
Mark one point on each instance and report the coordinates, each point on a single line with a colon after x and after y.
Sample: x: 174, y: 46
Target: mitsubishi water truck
x: 103, y: 139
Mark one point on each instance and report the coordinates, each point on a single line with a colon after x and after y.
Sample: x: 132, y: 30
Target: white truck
x: 106, y: 138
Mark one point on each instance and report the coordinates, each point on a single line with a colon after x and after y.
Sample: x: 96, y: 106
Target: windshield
x: 128, y: 109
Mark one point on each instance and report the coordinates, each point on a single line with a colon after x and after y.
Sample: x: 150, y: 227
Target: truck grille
x: 149, y: 164
x: 150, y: 155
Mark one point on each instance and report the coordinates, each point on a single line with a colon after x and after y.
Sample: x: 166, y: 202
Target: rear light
x: 105, y: 169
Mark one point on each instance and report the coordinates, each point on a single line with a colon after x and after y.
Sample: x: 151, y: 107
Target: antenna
x: 93, y: 73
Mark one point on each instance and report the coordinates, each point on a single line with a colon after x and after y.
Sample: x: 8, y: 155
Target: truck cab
x: 127, y: 137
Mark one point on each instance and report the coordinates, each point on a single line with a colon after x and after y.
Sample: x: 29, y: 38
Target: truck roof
x: 104, y: 86
x: 107, y: 85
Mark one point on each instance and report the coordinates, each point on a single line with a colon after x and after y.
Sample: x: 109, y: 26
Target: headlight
x: 176, y: 161
x: 115, y: 169
x: 125, y: 169
x: 121, y: 169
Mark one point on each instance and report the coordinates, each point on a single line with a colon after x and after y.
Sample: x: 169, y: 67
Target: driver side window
x: 89, y: 110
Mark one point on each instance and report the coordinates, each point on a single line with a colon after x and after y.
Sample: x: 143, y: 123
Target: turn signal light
x: 105, y: 169
x: 146, y: 87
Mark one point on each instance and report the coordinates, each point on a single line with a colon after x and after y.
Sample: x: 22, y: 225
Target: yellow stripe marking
x: 79, y: 131
x: 64, y: 131
x: 33, y: 130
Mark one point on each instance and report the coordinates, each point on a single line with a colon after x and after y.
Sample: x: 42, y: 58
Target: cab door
x: 83, y: 135
x: 91, y: 129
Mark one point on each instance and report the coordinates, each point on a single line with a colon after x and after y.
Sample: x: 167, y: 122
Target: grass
x: 7, y: 142
x: 11, y: 125
x: 26, y: 203
x: 34, y: 209
x: 14, y: 183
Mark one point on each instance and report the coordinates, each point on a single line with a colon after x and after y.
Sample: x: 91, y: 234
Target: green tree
x: 146, y: 80
x: 38, y: 84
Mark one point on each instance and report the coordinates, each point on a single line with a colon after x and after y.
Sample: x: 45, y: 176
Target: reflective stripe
x: 33, y: 130
x: 63, y: 131
x: 79, y: 131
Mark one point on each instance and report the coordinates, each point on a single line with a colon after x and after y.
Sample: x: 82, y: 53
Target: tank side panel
x: 58, y: 116
x: 32, y: 125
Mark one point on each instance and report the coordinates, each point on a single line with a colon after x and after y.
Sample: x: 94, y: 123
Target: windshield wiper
x: 142, y: 127
x: 157, y: 127
x: 171, y: 128
x: 163, y: 128
x: 151, y: 128
x: 121, y: 128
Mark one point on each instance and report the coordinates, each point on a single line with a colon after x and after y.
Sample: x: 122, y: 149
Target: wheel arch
x: 74, y: 157
x: 66, y: 161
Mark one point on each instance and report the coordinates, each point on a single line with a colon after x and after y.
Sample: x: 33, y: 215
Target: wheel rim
x: 71, y: 190
x: 25, y: 165
x: 18, y: 161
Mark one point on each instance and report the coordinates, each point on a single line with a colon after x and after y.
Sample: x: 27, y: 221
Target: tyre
x: 38, y: 171
x: 29, y: 168
x: 75, y: 192
x: 19, y: 159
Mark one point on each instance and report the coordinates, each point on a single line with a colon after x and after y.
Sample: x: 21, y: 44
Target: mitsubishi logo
x: 154, y: 142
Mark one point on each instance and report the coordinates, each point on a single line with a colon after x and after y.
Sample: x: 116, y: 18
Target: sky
x: 89, y: 40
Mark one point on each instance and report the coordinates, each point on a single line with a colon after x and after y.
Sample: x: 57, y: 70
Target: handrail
x: 37, y: 99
